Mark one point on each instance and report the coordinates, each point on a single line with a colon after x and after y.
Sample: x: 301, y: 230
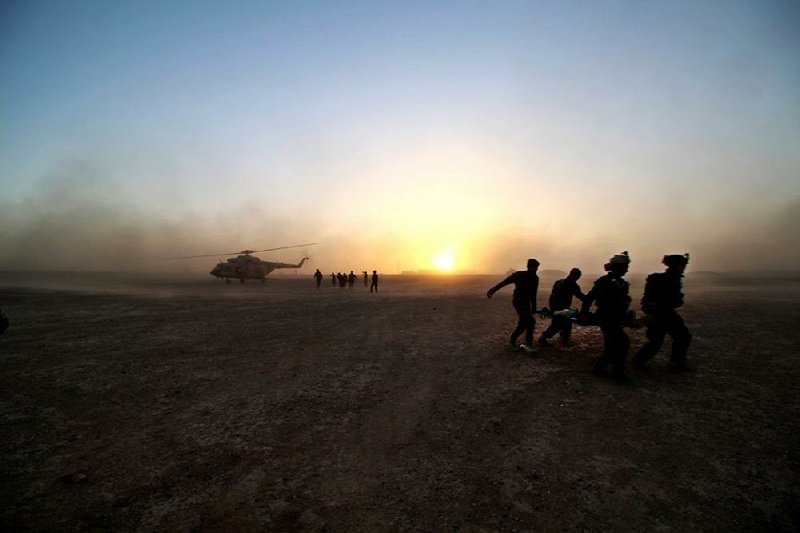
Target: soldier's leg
x: 621, y: 345
x: 552, y: 329
x: 522, y: 323
x: 531, y: 324
x: 525, y: 325
x: 608, y: 348
x: 566, y: 330
x: 681, y: 339
x: 655, y: 338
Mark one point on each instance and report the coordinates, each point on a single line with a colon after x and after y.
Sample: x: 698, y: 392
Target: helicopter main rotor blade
x: 204, y: 255
x: 243, y: 252
x: 283, y: 248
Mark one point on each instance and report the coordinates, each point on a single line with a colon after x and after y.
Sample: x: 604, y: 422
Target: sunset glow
x: 445, y: 262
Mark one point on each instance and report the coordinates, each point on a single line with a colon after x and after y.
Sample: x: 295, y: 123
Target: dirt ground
x: 169, y: 403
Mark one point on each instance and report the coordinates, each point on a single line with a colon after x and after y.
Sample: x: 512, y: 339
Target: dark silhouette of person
x: 610, y: 292
x: 333, y: 279
x: 374, y: 284
x: 351, y: 279
x: 318, y: 278
x: 366, y: 278
x: 561, y: 298
x: 526, y: 283
x: 342, y: 280
x: 662, y: 296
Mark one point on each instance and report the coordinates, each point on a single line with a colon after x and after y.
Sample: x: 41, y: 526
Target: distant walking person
x: 366, y: 278
x: 374, y: 281
x: 526, y: 283
x: 662, y: 295
x: 560, y: 299
x: 351, y: 279
x: 611, y: 294
x: 318, y: 278
x: 333, y: 279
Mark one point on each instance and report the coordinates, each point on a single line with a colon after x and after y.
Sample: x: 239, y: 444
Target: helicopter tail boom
x: 288, y: 265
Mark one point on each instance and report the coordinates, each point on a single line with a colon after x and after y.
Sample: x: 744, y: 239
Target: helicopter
x: 246, y: 266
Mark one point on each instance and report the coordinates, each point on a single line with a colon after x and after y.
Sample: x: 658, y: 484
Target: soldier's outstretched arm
x: 508, y: 281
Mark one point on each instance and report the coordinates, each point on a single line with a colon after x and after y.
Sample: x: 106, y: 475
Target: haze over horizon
x: 400, y: 136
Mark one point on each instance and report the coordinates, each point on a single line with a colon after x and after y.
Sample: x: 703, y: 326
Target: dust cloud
x: 77, y: 219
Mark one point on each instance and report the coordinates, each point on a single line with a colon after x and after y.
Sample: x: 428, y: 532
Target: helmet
x: 675, y: 260
x: 618, y: 259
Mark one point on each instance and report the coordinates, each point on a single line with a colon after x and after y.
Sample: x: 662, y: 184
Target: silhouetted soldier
x: 366, y: 278
x: 333, y: 279
x: 561, y: 298
x: 374, y: 281
x: 318, y: 278
x: 662, y: 295
x: 610, y: 292
x: 342, y: 280
x: 526, y: 283
x: 351, y: 279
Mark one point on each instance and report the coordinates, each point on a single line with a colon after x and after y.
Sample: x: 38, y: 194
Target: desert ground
x: 176, y: 403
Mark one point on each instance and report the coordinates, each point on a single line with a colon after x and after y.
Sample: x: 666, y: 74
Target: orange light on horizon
x: 445, y: 262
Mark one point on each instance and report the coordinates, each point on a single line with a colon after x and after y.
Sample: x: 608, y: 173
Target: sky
x: 450, y: 135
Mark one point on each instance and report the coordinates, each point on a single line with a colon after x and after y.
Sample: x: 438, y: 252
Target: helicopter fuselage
x: 247, y: 266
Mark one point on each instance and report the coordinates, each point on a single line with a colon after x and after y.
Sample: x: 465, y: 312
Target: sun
x: 445, y: 262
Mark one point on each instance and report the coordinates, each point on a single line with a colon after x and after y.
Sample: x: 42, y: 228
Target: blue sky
x: 395, y: 132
